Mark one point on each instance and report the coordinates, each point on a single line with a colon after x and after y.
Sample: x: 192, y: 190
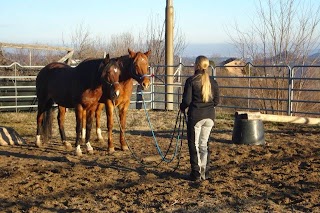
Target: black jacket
x: 192, y: 98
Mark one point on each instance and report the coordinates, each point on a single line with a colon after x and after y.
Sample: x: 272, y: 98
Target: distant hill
x: 209, y: 50
x: 315, y: 56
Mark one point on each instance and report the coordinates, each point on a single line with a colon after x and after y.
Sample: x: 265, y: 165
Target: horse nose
x: 116, y: 90
x: 117, y: 93
x: 145, y: 85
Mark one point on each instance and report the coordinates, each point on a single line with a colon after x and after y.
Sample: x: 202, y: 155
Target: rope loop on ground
x: 178, y: 131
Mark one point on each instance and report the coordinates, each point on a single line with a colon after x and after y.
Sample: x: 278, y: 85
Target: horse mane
x: 55, y: 65
x: 85, y: 68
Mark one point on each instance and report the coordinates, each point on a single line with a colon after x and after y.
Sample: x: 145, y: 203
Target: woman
x: 200, y: 96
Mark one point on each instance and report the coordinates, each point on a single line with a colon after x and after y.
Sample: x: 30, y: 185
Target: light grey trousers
x: 202, y: 130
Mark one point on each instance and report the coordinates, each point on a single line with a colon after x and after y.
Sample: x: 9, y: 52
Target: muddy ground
x: 281, y: 176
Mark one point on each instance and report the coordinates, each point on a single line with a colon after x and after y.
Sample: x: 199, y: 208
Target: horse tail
x: 47, y: 123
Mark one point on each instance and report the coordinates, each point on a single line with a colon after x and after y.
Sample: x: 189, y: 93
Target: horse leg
x: 43, y: 120
x: 98, y: 122
x: 123, y: 119
x: 40, y: 116
x: 90, y: 115
x: 109, y: 112
x: 79, y: 113
x: 61, y: 119
x: 84, y: 123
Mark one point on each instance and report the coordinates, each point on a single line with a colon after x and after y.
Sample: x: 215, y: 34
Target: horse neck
x: 92, y: 78
x: 126, y: 66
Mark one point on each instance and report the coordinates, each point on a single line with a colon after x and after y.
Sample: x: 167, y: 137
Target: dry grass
x: 282, y: 176
x: 25, y: 122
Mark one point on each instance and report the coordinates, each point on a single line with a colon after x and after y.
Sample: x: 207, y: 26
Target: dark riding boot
x: 194, y: 176
x: 195, y: 169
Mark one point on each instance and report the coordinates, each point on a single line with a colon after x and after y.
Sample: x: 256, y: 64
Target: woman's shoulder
x: 192, y: 78
x: 213, y: 81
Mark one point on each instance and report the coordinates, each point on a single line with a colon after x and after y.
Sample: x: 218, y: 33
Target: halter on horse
x: 80, y: 88
x: 133, y: 67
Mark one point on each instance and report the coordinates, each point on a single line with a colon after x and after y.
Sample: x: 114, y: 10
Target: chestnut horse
x: 80, y: 88
x: 133, y: 67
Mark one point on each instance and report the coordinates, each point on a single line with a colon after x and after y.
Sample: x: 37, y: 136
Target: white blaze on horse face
x: 115, y: 70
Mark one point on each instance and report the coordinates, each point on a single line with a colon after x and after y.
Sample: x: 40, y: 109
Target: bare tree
x: 81, y: 42
x: 155, y: 34
x: 284, y: 32
x: 119, y: 44
x: 154, y: 38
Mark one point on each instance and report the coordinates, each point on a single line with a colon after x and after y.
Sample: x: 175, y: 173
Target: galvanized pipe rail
x: 11, y: 89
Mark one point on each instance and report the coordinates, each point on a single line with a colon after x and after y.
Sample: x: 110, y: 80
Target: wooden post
x: 278, y: 118
x: 66, y: 59
x: 290, y: 119
x: 169, y: 56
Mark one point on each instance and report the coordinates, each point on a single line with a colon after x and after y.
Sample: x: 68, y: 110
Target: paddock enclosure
x: 281, y: 176
x: 272, y: 89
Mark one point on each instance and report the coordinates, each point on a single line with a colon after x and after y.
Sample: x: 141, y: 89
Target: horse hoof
x: 79, y: 154
x: 78, y: 151
x: 111, y: 150
x: 68, y: 146
x: 89, y: 148
x: 99, y: 140
x: 38, y: 144
x: 125, y: 148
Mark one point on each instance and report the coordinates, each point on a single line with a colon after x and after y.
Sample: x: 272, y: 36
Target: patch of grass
x: 22, y: 122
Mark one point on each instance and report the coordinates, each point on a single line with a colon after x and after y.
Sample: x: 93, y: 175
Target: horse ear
x: 119, y: 62
x: 148, y: 53
x: 131, y: 53
x: 106, y: 59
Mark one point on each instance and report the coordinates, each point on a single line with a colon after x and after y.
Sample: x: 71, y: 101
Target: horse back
x: 56, y: 81
x: 56, y: 65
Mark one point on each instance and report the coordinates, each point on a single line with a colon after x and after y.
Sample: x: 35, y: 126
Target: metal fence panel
x: 273, y: 89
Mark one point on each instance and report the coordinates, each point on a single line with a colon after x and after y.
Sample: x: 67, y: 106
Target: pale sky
x: 49, y: 22
x: 202, y: 21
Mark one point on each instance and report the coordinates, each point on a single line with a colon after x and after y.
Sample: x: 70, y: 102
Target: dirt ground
x: 281, y: 176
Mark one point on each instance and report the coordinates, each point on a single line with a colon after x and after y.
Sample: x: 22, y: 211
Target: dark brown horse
x: 133, y: 67
x: 80, y: 88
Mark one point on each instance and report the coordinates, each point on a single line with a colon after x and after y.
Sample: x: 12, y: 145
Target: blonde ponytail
x: 206, y: 87
x: 202, y: 63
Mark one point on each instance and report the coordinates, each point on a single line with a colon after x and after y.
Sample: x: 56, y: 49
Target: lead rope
x: 163, y: 156
x: 184, y: 120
